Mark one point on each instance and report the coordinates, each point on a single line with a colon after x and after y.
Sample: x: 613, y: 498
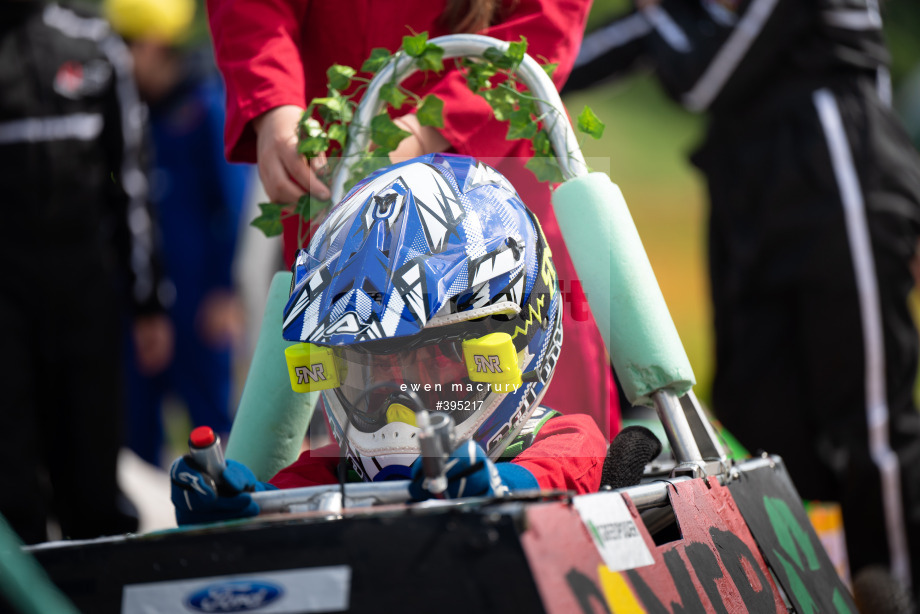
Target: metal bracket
x: 696, y: 446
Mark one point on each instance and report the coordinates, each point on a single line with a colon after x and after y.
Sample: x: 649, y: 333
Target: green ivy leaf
x: 309, y: 126
x: 338, y: 133
x: 431, y: 112
x: 269, y: 222
x: 589, y: 123
x: 516, y: 52
x: 334, y: 108
x: 313, y: 146
x: 545, y: 168
x: 416, y: 45
x: 302, y: 207
x: 340, y: 76
x: 431, y: 58
x: 385, y: 133
x: 495, y: 56
x: 313, y: 139
x: 309, y: 207
x: 550, y: 69
x: 542, y: 146
x: 502, y: 100
x: 391, y: 93
x: 527, y: 104
x: 322, y: 103
x: 522, y: 125
x: 377, y: 60
x: 478, y: 75
x: 508, y: 59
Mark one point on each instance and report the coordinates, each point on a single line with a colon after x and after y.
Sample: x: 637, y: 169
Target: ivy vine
x: 324, y: 125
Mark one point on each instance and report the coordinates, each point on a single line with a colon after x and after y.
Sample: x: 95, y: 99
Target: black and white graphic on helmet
x: 419, y: 191
x: 486, y: 175
x: 318, y: 282
x: 494, y: 264
x: 349, y: 323
x: 410, y: 282
x: 441, y: 217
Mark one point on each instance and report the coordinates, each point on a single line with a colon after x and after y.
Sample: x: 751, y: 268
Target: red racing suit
x: 566, y: 453
x: 276, y: 52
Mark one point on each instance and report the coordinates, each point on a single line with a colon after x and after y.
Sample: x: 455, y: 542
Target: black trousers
x: 60, y: 377
x: 815, y: 210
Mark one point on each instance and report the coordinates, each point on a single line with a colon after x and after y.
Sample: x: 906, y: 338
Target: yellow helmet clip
x: 492, y: 359
x: 311, y: 367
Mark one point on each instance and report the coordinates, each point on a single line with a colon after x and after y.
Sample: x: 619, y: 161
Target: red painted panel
x: 715, y: 566
x: 557, y: 544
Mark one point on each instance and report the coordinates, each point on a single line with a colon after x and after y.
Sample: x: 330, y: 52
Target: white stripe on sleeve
x: 729, y: 56
x: 77, y: 126
x: 612, y: 36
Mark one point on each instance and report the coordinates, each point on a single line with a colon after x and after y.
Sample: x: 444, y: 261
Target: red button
x: 202, y: 437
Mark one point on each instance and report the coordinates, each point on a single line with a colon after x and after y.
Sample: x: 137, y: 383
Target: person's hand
x: 284, y: 172
x: 220, y: 321
x: 196, y: 498
x: 422, y: 140
x: 469, y: 473
x: 154, y: 340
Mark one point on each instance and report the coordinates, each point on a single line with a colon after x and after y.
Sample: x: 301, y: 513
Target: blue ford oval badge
x: 235, y: 596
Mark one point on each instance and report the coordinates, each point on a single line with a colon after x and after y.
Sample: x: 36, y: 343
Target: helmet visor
x: 432, y: 377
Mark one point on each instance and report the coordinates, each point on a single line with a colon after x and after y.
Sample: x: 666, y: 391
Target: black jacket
x: 72, y: 182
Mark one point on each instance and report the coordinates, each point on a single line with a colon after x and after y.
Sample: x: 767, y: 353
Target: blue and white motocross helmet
x: 429, y: 286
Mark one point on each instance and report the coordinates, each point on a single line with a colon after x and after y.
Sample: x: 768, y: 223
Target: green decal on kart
x: 795, y: 544
x: 774, y: 513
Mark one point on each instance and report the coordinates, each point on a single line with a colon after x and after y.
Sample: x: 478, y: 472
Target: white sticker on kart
x: 315, y: 589
x: 613, y: 531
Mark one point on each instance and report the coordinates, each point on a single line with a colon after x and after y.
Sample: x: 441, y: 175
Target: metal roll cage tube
x: 568, y: 153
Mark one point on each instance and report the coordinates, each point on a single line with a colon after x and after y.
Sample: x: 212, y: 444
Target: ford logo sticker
x: 236, y: 596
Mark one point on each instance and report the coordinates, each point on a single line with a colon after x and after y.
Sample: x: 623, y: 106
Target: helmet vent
x: 375, y: 294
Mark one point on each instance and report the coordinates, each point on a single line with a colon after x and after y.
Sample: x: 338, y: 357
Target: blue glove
x: 196, y: 498
x: 470, y: 473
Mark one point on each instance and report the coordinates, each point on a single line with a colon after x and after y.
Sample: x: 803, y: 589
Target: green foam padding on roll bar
x: 271, y: 421
x: 24, y: 583
x: 621, y: 288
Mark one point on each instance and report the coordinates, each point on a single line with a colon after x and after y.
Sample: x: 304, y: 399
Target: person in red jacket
x: 429, y: 288
x: 274, y: 54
